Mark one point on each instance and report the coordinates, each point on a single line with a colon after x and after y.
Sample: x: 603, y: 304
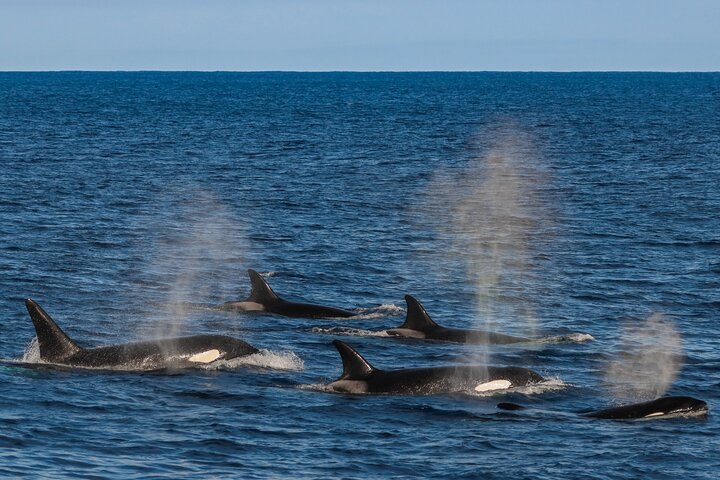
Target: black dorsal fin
x: 260, y: 291
x: 355, y: 367
x: 417, y: 318
x: 54, y: 344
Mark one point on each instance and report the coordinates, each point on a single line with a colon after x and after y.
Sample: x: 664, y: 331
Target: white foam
x: 549, y: 385
x: 32, y: 352
x: 263, y: 359
x: 355, y: 332
x: 317, y: 387
x: 577, y: 337
x: 381, y: 311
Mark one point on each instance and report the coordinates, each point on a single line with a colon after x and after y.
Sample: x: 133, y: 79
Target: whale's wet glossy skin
x: 665, y: 407
x: 660, y: 408
x: 418, y: 324
x: 361, y: 377
x: 263, y: 299
x: 57, y: 348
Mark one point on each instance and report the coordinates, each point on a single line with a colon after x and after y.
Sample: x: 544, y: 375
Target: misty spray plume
x: 197, y: 252
x: 494, y: 214
x: 647, y: 360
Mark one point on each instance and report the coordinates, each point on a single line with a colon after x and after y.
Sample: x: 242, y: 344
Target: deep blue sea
x: 581, y: 209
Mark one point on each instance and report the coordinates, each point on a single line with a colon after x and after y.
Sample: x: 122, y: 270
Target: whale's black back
x: 263, y: 294
x: 56, y: 347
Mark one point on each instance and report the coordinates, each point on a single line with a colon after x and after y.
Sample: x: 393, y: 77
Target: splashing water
x: 263, y: 359
x: 355, y: 332
x: 577, y: 337
x: 647, y: 361
x: 32, y: 352
x: 381, y: 311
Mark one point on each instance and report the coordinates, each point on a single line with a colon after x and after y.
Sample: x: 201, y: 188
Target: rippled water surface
x: 551, y: 206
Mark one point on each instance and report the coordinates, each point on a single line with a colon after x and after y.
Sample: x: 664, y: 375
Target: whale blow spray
x: 496, y: 215
x: 647, y: 360
x: 197, y: 256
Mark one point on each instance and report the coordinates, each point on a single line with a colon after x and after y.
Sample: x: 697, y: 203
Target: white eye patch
x: 205, y: 357
x: 494, y: 385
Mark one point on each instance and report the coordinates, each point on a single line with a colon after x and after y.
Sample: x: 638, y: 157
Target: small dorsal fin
x: 355, y: 367
x: 260, y: 291
x: 54, y: 344
x: 417, y: 318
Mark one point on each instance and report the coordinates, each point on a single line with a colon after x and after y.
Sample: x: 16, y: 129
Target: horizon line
x: 349, y: 71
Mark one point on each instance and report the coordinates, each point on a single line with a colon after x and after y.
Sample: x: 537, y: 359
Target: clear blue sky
x: 322, y: 35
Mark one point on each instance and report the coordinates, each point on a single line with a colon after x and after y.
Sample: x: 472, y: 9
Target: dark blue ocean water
x: 531, y: 204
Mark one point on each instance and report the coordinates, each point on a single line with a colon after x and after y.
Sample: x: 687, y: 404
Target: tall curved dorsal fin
x: 260, y: 291
x: 417, y: 318
x: 355, y: 367
x: 54, y: 344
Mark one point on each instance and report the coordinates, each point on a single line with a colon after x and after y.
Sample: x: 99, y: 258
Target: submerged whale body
x: 664, y: 407
x: 263, y: 299
x: 660, y: 408
x: 57, y: 348
x: 418, y: 324
x: 360, y: 377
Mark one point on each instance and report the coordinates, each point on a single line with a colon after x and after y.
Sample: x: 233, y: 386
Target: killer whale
x: 359, y: 376
x: 663, y: 407
x: 263, y: 299
x: 418, y: 324
x: 660, y: 408
x: 57, y: 348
